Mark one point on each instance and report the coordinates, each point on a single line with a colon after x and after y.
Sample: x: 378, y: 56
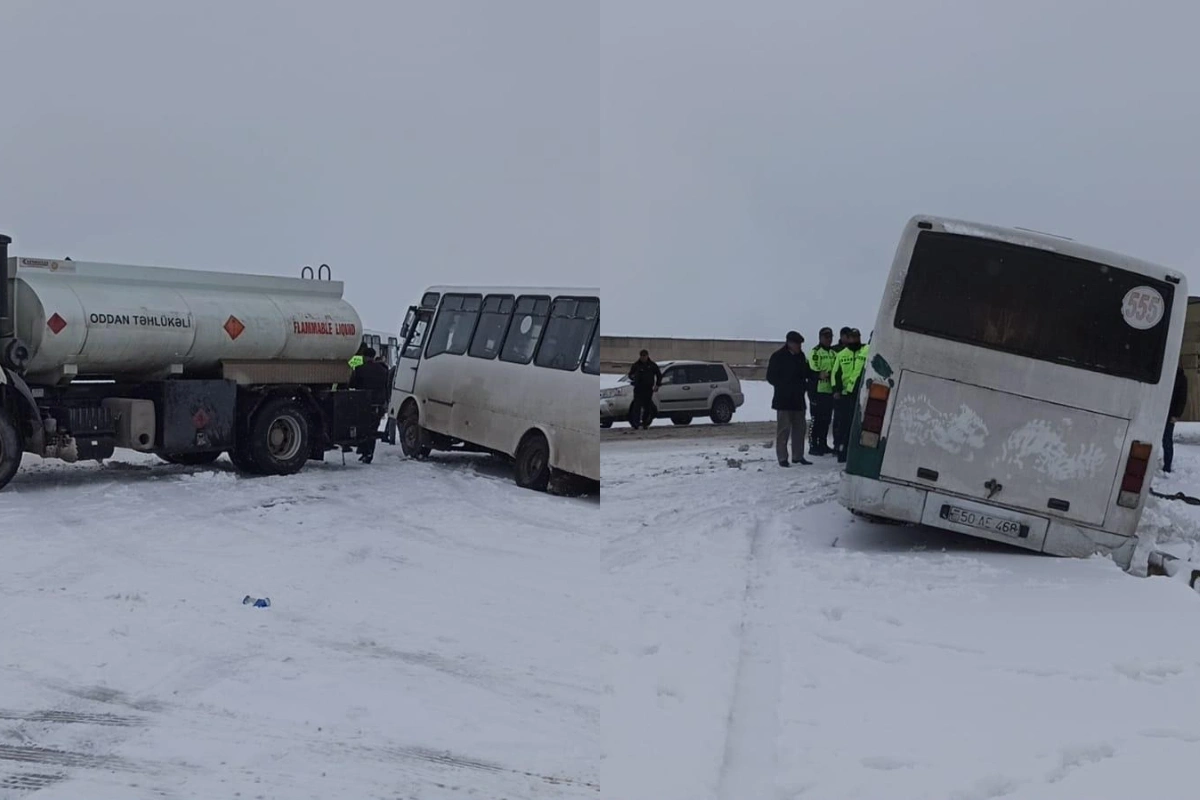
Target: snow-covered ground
x: 431, y: 633
x: 757, y: 407
x: 765, y: 644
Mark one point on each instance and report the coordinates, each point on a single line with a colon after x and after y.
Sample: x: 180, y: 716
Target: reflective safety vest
x: 823, y: 359
x: 848, y: 368
x: 356, y: 362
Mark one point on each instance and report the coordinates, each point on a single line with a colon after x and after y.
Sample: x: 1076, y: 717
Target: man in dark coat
x: 1179, y: 398
x: 646, y: 378
x: 789, y: 372
x: 372, y: 376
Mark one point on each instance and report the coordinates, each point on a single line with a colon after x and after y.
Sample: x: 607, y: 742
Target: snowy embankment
x: 764, y: 643
x: 757, y: 407
x: 431, y: 633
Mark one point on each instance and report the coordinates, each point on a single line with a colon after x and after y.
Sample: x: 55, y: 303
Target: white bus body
x: 514, y: 371
x: 1016, y: 389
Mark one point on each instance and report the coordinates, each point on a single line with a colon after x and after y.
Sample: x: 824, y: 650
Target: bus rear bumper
x: 900, y: 503
x: 879, y: 499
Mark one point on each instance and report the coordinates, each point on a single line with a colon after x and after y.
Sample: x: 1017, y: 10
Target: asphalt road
x: 663, y: 429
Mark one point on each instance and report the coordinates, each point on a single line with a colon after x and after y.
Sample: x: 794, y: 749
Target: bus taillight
x: 1135, y: 474
x: 872, y: 422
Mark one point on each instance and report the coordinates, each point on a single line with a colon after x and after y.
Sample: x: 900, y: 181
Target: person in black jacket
x: 789, y: 372
x: 372, y: 376
x: 1179, y: 398
x: 646, y: 378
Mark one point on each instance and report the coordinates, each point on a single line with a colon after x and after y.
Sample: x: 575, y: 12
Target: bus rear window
x: 1035, y: 303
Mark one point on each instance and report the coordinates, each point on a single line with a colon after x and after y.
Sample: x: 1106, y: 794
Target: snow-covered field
x: 757, y: 407
x: 765, y: 644
x: 431, y: 633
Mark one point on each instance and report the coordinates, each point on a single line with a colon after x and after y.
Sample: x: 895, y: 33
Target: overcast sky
x: 718, y: 168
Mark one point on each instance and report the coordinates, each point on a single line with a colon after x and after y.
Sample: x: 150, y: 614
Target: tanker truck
x: 184, y: 364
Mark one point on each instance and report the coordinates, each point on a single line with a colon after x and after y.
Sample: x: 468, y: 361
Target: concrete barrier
x: 747, y: 357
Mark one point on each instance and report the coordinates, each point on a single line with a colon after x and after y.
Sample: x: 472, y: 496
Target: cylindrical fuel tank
x: 125, y: 321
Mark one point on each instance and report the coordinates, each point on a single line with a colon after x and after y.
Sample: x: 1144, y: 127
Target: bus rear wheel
x: 533, y: 462
x: 10, y: 449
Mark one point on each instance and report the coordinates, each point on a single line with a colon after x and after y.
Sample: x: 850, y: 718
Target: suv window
x: 525, y: 329
x: 454, y: 325
x: 1035, y: 303
x: 493, y: 322
x: 567, y: 332
x: 714, y: 373
x: 676, y: 375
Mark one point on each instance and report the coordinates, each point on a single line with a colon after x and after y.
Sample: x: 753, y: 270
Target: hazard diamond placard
x: 234, y: 327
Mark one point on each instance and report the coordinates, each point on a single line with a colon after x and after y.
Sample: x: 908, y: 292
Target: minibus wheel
x: 411, y: 436
x: 533, y: 462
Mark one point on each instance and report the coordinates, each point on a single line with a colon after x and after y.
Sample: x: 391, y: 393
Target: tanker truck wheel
x: 190, y: 459
x: 278, y: 442
x: 242, y: 461
x: 10, y: 449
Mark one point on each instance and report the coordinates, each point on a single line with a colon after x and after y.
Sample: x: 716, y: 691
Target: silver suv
x: 689, y: 389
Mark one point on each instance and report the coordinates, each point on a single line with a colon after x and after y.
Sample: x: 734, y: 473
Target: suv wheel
x: 722, y: 410
x: 681, y: 419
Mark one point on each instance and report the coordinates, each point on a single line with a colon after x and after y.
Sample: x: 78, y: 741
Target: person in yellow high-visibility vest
x: 822, y: 358
x: 357, y: 359
x: 847, y: 370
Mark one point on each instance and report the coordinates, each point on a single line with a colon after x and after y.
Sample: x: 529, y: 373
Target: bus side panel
x: 434, y: 390
x: 496, y: 403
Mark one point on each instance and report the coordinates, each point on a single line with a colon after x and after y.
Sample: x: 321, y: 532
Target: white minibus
x: 511, y: 371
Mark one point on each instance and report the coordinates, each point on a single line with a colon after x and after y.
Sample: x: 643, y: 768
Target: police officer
x: 821, y: 360
x: 371, y: 376
x: 646, y: 378
x: 847, y: 371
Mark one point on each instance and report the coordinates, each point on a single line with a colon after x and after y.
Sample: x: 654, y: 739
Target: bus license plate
x: 987, y: 522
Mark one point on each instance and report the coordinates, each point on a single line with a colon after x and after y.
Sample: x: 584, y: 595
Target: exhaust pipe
x: 5, y: 307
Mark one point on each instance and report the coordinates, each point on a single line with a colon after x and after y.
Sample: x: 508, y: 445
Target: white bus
x: 1017, y: 389
x: 512, y: 371
x: 385, y: 344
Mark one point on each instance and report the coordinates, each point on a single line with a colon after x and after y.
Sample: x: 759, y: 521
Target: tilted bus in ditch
x: 511, y: 371
x: 1017, y: 389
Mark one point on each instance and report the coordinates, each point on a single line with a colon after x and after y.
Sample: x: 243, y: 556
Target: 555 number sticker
x: 1143, y: 307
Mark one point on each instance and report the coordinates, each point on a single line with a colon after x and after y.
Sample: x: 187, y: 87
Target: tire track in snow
x: 749, y: 764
